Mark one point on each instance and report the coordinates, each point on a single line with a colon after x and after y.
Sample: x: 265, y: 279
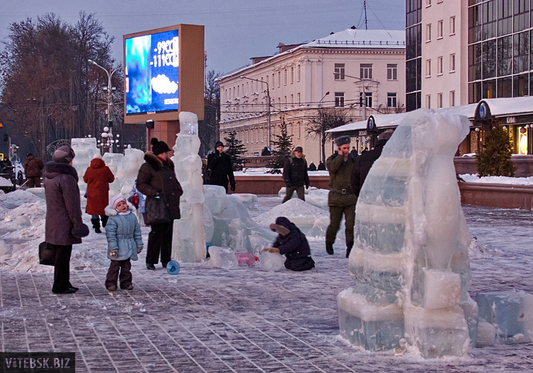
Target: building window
x: 273, y: 82
x: 285, y: 77
x: 439, y: 65
x: 428, y: 68
x: 339, y: 71
x: 392, y: 71
x: 365, y: 71
x: 452, y: 25
x: 299, y: 99
x: 440, y: 29
x: 339, y: 99
x: 452, y: 98
x: 285, y: 101
x: 292, y: 75
x: 428, y: 101
x: 428, y: 2
x: 452, y: 62
x: 279, y: 79
x: 299, y: 129
x: 292, y: 100
x: 428, y: 32
x: 391, y: 100
x: 439, y: 100
x: 368, y: 98
x: 299, y: 73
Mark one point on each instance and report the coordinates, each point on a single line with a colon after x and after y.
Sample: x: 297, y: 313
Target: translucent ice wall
x: 85, y: 150
x: 188, y: 244
x: 411, y: 238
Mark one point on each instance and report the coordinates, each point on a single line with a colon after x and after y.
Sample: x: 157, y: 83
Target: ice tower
x: 188, y: 242
x: 410, y: 258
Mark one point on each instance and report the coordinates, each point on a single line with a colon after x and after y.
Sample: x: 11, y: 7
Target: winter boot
x: 329, y: 247
x: 104, y: 220
x: 349, y: 246
x: 96, y: 225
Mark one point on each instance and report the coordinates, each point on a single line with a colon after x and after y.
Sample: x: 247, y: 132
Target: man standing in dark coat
x: 341, y: 199
x: 64, y: 225
x: 220, y: 168
x: 33, y: 168
x: 157, y: 179
x: 364, y: 162
x: 295, y: 175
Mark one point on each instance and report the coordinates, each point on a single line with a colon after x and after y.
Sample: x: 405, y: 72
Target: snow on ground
x: 474, y: 178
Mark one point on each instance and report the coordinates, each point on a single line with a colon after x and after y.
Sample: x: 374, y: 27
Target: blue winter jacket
x: 123, y: 233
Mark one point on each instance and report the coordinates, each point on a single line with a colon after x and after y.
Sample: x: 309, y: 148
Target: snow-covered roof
x: 507, y: 106
x: 354, y: 38
x: 393, y: 120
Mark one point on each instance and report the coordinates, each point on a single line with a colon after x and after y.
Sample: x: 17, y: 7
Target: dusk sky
x: 235, y: 30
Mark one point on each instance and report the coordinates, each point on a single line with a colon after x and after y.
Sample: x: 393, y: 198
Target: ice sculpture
x: 188, y: 242
x: 85, y: 150
x: 410, y: 258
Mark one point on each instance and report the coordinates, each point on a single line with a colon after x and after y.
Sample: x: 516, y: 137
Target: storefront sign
x: 510, y: 120
x: 362, y: 133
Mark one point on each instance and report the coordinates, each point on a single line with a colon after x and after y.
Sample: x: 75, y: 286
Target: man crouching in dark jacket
x: 292, y: 243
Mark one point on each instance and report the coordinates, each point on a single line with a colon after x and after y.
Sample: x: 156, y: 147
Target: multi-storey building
x: 459, y: 52
x: 361, y: 71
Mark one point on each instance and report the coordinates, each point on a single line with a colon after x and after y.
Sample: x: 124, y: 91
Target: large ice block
x: 374, y: 326
x: 222, y: 257
x: 437, y: 332
x: 510, y: 312
x: 441, y: 289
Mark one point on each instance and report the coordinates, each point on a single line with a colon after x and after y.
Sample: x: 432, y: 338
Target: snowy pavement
x: 242, y: 320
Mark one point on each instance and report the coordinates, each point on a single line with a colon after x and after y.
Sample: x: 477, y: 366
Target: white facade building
x: 343, y: 70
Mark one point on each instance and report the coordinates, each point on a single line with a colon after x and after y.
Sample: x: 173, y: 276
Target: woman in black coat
x: 64, y: 225
x: 220, y: 168
x: 157, y: 179
x: 292, y: 243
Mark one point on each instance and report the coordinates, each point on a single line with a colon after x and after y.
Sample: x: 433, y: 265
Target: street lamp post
x: 109, y: 102
x: 268, y: 108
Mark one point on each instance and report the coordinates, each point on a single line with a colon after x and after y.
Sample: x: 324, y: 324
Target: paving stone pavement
x: 244, y: 320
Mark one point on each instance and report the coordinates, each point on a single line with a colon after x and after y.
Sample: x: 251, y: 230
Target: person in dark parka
x: 220, y: 168
x: 64, y: 225
x: 295, y: 175
x: 157, y: 178
x: 364, y: 162
x: 292, y: 243
x: 33, y: 168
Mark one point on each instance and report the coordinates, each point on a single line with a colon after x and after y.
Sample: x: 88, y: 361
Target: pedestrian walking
x: 292, y: 243
x: 64, y: 225
x: 98, y: 177
x: 341, y: 198
x: 295, y: 175
x: 157, y: 180
x: 353, y: 153
x: 219, y: 168
x: 124, y: 242
x: 20, y: 178
x: 33, y: 168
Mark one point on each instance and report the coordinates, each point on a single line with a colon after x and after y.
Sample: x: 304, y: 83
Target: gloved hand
x: 233, y: 187
x: 139, y: 249
x: 113, y: 253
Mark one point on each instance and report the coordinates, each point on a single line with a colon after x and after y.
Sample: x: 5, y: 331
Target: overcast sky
x: 235, y: 30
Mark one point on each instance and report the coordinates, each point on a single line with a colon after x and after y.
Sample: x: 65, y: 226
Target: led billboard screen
x: 151, y: 73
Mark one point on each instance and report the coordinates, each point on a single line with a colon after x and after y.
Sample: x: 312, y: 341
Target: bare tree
x: 326, y: 119
x: 208, y: 131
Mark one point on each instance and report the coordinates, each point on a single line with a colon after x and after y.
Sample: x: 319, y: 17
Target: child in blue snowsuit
x: 292, y: 243
x: 124, y: 240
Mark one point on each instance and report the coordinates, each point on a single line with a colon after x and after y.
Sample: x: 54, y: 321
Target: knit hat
x: 159, y: 147
x: 63, y: 154
x: 342, y: 140
x: 116, y: 200
x: 298, y: 149
x: 219, y: 143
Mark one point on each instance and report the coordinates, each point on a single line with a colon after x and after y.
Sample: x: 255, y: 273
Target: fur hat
x: 298, y: 149
x: 218, y: 143
x: 116, y: 200
x: 385, y: 135
x: 63, y: 154
x: 279, y: 229
x: 342, y: 140
x: 159, y: 147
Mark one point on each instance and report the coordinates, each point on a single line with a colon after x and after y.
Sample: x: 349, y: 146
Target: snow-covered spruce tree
x: 235, y: 148
x: 281, y: 150
x: 494, y: 159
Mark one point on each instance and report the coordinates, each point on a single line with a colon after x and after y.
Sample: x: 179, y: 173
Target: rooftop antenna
x: 366, y: 20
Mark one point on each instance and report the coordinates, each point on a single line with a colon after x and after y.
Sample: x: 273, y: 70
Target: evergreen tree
x: 282, y: 146
x: 235, y: 148
x: 495, y: 157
